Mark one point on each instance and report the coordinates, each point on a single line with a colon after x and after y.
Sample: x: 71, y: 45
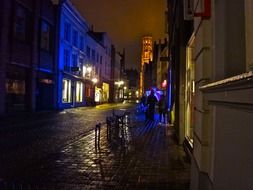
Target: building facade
x: 217, y: 86
x: 223, y: 38
x: 99, y: 56
x: 132, y: 76
x: 116, y: 64
x: 72, y: 70
x: 160, y: 64
x: 27, y: 56
x: 179, y: 32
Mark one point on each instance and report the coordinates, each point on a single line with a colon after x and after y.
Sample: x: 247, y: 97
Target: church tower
x: 146, y: 58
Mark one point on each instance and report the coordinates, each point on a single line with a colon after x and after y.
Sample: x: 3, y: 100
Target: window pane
x: 88, y: 51
x: 93, y: 55
x: 66, y: 90
x: 45, y: 36
x: 75, y: 37
x: 20, y: 23
x: 74, y: 60
x: 67, y: 31
x: 81, y: 43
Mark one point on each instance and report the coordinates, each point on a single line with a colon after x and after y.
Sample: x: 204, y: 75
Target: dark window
x: 97, y: 57
x: 93, y: 55
x: 67, y: 31
x: 101, y: 59
x: 81, y: 43
x: 45, y: 36
x: 74, y: 60
x: 81, y: 61
x: 22, y: 23
x: 66, y: 59
x: 88, y: 52
x: 75, y: 38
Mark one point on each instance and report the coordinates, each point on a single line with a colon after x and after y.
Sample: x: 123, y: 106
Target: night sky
x: 126, y: 21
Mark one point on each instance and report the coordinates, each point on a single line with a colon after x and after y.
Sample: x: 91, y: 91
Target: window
x: 67, y: 31
x: 66, y: 59
x: 81, y: 61
x: 21, y: 23
x: 45, y: 36
x: 93, y: 55
x: 66, y: 91
x: 79, y: 91
x: 81, y: 46
x: 97, y: 57
x: 88, y: 52
x: 101, y: 59
x: 74, y: 60
x: 15, y: 87
x: 189, y: 91
x: 75, y: 38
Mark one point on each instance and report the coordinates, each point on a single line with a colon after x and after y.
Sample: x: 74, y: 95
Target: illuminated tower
x: 146, y: 57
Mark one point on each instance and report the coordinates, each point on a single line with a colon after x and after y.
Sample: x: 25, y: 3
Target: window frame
x: 27, y: 25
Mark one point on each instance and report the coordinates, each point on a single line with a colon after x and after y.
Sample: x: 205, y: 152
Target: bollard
x: 108, y: 125
x: 97, y: 134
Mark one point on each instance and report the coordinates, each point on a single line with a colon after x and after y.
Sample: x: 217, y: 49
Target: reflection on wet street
x: 143, y: 156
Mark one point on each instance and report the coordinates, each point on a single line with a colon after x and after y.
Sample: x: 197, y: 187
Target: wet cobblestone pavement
x: 147, y: 158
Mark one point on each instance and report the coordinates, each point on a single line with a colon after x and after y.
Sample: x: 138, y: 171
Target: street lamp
x: 94, y: 80
x: 89, y: 69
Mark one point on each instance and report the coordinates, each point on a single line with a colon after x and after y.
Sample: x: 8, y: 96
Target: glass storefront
x: 79, y: 91
x: 189, y: 92
x: 105, y: 88
x: 98, y: 94
x: 66, y: 91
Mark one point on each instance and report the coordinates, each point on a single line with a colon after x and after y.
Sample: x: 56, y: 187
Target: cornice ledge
x: 237, y: 82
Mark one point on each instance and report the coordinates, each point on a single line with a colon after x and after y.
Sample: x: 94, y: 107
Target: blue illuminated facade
x: 71, y: 57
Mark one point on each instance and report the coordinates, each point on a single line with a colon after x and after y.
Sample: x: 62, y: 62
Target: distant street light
x: 94, y: 80
x: 119, y: 83
x: 89, y: 69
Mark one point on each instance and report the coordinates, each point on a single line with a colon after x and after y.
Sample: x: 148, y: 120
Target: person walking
x: 162, y: 108
x: 151, y: 102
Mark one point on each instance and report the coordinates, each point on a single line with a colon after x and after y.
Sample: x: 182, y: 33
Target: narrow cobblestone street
x: 58, y: 151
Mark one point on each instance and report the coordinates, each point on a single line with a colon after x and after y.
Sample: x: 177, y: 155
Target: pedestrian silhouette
x: 151, y: 102
x: 162, y: 108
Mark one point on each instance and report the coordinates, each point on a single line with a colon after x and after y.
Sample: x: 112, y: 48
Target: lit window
x: 66, y: 90
x: 79, y: 91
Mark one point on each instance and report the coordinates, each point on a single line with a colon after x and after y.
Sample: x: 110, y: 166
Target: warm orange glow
x: 146, y: 57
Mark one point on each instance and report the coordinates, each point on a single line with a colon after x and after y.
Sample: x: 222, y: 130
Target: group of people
x: 150, y: 103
